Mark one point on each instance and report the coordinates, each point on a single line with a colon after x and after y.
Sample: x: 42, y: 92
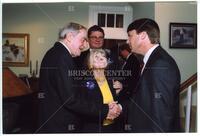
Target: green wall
x: 143, y: 10
x: 42, y: 22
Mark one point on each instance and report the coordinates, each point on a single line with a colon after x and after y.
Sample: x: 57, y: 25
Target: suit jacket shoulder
x: 160, y: 59
x: 58, y: 55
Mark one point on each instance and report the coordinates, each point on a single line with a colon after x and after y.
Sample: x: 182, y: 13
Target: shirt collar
x: 147, y: 55
x: 65, y: 46
x: 128, y: 56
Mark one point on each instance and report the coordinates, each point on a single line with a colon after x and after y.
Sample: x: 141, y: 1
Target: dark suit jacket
x: 91, y: 88
x: 80, y: 61
x: 132, y: 68
x: 156, y: 104
x: 61, y: 103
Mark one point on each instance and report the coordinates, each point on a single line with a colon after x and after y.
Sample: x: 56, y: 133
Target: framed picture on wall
x: 15, y: 49
x: 183, y: 35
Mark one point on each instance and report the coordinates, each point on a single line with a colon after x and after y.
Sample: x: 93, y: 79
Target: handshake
x: 114, y: 110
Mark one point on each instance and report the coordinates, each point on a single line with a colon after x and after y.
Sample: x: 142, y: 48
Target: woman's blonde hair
x: 90, y: 56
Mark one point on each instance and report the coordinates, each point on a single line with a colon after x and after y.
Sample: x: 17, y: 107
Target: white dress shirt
x: 147, y: 55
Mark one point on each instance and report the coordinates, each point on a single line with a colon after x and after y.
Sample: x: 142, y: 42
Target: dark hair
x: 95, y: 28
x: 124, y: 47
x: 147, y: 25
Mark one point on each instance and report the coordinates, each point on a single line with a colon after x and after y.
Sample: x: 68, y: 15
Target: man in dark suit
x: 61, y: 104
x: 155, y: 107
x: 132, y: 67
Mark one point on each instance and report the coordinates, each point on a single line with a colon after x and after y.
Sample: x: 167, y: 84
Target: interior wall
x: 139, y: 12
x: 181, y: 12
x: 42, y: 22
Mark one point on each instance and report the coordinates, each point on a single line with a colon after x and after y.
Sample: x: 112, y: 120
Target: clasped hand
x: 114, y: 110
x: 117, y: 86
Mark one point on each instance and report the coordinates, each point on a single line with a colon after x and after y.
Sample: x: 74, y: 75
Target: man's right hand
x: 114, y: 110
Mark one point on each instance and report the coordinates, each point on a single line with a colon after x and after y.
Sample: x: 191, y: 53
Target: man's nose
x: 98, y: 39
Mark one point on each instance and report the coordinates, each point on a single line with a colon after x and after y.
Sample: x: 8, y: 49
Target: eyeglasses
x: 95, y: 38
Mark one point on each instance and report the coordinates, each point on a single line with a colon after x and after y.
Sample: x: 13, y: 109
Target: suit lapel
x: 110, y: 86
x: 98, y: 89
x: 151, y: 59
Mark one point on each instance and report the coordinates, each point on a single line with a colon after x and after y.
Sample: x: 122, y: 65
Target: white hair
x: 71, y: 27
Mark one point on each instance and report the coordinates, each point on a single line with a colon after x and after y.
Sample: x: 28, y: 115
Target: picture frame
x: 183, y: 35
x: 15, y: 49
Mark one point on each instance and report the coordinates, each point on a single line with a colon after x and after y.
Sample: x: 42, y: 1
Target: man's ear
x: 143, y: 35
x: 69, y: 37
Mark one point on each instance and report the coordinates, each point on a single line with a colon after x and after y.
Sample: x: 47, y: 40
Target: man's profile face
x: 134, y: 41
x: 96, y: 40
x: 78, y: 42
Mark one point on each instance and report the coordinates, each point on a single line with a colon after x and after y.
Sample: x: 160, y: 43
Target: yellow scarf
x: 107, y: 97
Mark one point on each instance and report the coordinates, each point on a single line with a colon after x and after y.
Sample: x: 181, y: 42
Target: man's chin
x: 76, y: 55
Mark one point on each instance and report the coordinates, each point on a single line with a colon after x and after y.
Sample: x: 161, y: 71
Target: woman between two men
x: 102, y: 90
